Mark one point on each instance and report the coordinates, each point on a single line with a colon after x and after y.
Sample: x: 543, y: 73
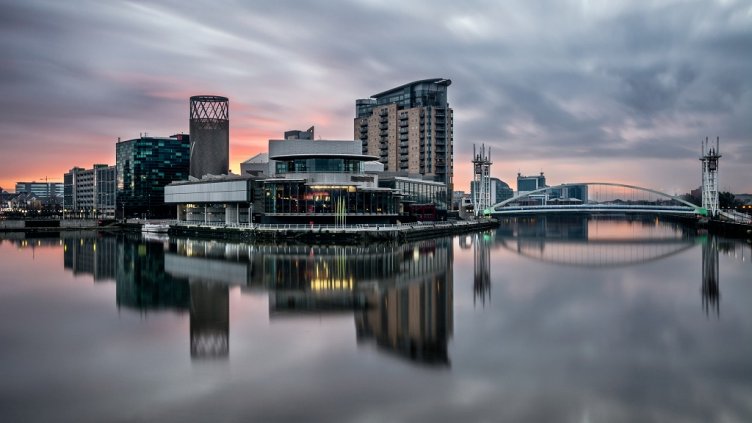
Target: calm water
x: 568, y: 321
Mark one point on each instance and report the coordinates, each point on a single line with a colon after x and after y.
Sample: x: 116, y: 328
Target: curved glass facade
x: 291, y: 197
x: 312, y: 165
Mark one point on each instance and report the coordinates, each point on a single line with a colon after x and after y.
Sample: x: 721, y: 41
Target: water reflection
x: 400, y: 297
x: 711, y: 293
x: 481, y: 244
x: 581, y: 241
x: 595, y: 242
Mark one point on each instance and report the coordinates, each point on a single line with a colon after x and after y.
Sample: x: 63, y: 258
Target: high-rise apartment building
x: 144, y: 166
x: 410, y: 129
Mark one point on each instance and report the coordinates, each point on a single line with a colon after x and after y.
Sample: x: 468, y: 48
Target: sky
x: 585, y: 91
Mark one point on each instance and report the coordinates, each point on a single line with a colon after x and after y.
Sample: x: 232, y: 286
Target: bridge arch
x: 613, y: 184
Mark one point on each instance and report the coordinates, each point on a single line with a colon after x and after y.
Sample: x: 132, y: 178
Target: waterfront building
x: 89, y: 193
x: 324, y: 181
x: 214, y: 199
x: 303, y: 181
x: 51, y: 192
x: 321, y: 181
x: 419, y: 195
x: 409, y: 129
x: 144, y: 166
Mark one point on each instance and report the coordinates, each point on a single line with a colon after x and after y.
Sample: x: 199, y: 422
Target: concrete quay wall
x: 329, y: 234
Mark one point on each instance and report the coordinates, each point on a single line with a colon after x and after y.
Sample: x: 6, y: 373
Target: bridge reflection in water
x: 401, y: 297
x: 578, y: 241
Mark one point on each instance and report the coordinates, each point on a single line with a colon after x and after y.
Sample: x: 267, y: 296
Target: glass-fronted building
x: 144, y: 166
x: 417, y: 191
x: 530, y: 183
x: 324, y: 181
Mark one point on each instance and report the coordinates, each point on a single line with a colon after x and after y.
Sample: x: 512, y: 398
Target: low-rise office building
x: 90, y: 193
x: 225, y: 199
x: 50, y: 192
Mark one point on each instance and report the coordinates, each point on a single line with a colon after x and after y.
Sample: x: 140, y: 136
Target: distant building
x: 44, y: 191
x: 409, y: 129
x: 89, y: 193
x: 23, y: 201
x: 300, y: 135
x: 530, y: 183
x: 500, y: 190
x: 457, y: 199
x: 144, y: 166
x: 569, y: 193
x: 257, y: 165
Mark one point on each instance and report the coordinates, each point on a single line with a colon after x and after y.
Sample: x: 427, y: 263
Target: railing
x: 736, y: 217
x: 594, y: 207
x: 317, y: 227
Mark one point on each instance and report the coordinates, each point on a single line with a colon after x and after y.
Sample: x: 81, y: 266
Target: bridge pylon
x: 709, y: 161
x: 481, y: 188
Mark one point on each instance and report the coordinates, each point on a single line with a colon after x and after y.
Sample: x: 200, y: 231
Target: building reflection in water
x: 143, y: 285
x: 482, y: 266
x: 400, y: 296
x: 210, y: 320
x: 413, y: 317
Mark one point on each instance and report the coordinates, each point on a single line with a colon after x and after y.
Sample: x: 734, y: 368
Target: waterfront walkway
x: 346, y: 233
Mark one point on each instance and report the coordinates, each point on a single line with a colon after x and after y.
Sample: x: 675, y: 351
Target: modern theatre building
x: 311, y: 181
x: 325, y: 181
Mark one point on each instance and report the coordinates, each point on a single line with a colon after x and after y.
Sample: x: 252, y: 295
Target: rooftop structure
x: 210, y: 135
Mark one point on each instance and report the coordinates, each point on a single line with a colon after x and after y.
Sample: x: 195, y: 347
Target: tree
x: 727, y: 200
x: 692, y: 199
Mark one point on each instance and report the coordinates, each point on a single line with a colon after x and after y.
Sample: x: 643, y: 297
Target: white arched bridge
x: 595, y: 197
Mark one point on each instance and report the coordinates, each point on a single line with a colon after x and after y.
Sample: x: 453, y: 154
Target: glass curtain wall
x: 298, y: 198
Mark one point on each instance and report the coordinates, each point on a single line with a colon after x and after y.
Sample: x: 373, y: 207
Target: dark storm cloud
x: 539, y: 81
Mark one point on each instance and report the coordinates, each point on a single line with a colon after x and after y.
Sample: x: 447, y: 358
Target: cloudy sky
x: 583, y: 90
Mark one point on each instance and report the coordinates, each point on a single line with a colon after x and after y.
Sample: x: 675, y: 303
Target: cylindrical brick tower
x: 210, y: 135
